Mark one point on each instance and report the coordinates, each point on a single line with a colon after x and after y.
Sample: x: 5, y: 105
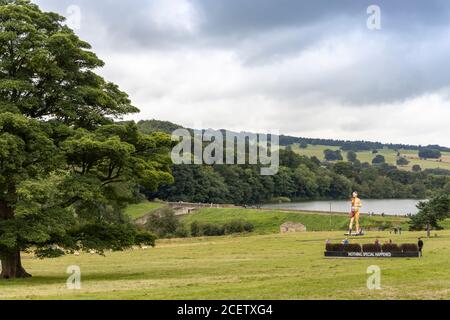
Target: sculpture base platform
x: 335, y: 254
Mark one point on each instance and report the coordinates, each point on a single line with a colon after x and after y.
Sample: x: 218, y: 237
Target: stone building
x: 292, y: 227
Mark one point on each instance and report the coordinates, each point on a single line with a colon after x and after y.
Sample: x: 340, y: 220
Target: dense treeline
x: 299, y: 178
x: 358, y: 145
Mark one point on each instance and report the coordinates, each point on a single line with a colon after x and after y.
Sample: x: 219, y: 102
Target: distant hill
x: 150, y: 126
x: 348, y: 145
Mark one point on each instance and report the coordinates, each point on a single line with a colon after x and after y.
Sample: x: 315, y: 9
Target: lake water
x: 388, y: 206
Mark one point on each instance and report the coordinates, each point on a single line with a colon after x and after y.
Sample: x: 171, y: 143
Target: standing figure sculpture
x: 354, y: 216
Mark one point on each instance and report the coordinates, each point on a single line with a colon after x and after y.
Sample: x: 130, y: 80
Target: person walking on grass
x: 420, y: 245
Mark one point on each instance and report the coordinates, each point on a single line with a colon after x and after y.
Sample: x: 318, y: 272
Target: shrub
x: 371, y: 247
x: 145, y: 238
x: 249, y: 227
x: 409, y: 247
x: 352, y: 247
x: 196, y: 229
x: 339, y: 247
x: 379, y: 159
x: 303, y: 145
x: 429, y: 154
x: 199, y: 229
x: 390, y: 247
x: 402, y: 161
x: 211, y: 229
x: 333, y: 155
x: 182, y: 231
x: 237, y: 226
x: 163, y: 222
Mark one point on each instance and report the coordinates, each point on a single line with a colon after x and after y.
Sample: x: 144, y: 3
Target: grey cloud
x: 232, y: 21
x: 300, y: 55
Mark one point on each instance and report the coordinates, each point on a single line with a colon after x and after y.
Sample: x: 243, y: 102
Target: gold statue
x: 354, y: 216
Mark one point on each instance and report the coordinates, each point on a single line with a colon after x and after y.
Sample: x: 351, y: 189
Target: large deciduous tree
x: 430, y: 213
x: 66, y: 168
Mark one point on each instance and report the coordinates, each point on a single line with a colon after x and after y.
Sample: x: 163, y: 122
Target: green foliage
x: 402, y: 161
x: 332, y: 155
x: 152, y: 126
x: 430, y: 153
x: 163, y: 223
x: 42, y: 253
x: 67, y: 170
x: 352, y: 156
x: 379, y: 159
x: 47, y: 71
x: 437, y: 171
x: 299, y: 178
x: 200, y: 229
x: 238, y: 226
x: 431, y: 213
x: 145, y: 238
x: 303, y: 145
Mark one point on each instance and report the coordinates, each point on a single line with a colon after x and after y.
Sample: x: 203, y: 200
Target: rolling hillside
x: 389, y: 154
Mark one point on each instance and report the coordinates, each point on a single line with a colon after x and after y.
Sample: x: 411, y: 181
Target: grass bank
x: 269, y: 221
x: 141, y: 209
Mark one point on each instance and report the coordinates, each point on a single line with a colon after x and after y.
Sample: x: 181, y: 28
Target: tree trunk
x: 10, y: 260
x: 428, y: 230
x: 12, y: 266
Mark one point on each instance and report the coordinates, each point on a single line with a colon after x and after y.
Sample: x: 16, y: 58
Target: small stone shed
x: 292, y: 227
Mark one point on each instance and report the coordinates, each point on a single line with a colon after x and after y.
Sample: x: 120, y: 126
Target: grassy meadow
x: 271, y: 266
x: 390, y: 155
x: 262, y: 265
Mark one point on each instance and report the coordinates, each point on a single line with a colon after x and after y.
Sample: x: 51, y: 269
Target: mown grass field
x: 262, y: 265
x: 273, y: 266
x: 390, y: 155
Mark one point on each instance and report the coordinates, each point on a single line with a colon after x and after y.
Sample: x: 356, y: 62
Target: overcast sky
x: 305, y: 68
